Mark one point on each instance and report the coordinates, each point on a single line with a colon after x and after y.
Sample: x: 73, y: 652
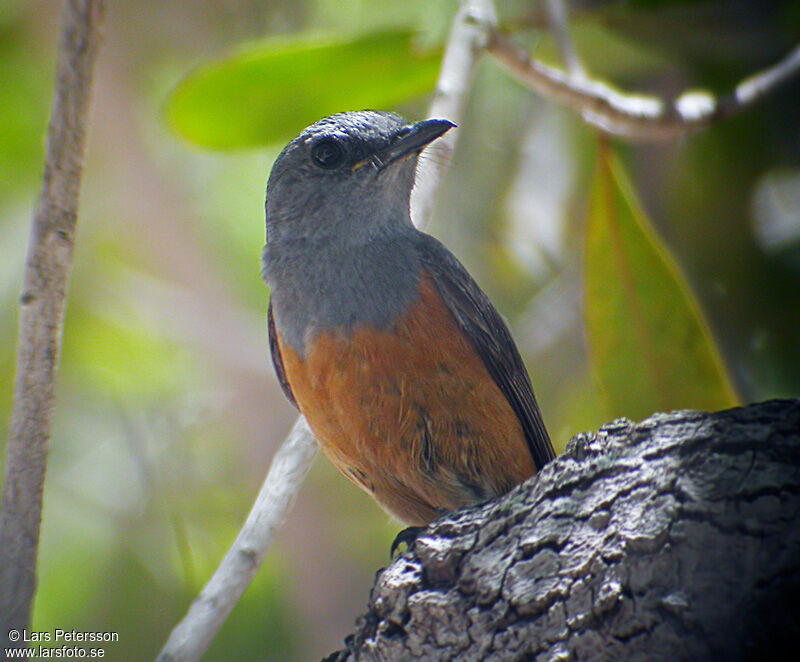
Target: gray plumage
x: 336, y: 253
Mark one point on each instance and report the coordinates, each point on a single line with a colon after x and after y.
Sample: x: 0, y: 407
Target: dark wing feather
x: 277, y: 361
x: 490, y: 336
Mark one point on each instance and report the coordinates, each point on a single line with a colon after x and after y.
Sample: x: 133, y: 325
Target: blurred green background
x: 168, y: 410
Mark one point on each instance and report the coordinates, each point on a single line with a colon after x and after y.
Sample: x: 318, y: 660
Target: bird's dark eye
x: 328, y: 153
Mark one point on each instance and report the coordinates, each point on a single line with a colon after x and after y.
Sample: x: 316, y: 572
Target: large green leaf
x: 268, y: 91
x: 649, y: 344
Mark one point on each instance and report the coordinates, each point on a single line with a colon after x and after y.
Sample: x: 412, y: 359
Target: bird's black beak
x: 411, y: 140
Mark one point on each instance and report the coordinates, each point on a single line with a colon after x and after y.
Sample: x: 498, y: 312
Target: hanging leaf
x: 268, y: 91
x: 649, y: 343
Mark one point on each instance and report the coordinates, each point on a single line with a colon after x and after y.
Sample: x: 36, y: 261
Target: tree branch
x: 557, y: 14
x: 469, y: 36
x: 756, y: 87
x: 634, y: 116
x: 192, y: 636
x: 43, y: 301
x: 677, y: 538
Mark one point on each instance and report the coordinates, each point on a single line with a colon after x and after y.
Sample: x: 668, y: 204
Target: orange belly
x: 410, y: 414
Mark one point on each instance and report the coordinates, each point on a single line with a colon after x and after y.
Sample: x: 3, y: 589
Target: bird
x: 406, y: 373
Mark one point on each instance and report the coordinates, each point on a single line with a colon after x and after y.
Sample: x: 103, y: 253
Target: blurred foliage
x: 24, y: 100
x: 257, y: 95
x: 648, y: 341
x: 167, y: 408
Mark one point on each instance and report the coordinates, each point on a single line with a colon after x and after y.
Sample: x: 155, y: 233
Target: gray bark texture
x: 677, y: 538
x: 42, y: 304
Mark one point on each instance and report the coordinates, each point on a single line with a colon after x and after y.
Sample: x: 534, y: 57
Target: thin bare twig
x: 557, y: 14
x: 43, y: 300
x: 637, y: 116
x: 192, y: 636
x: 756, y: 87
x: 469, y: 36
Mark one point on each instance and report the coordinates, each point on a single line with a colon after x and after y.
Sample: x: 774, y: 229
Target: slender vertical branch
x: 42, y: 311
x: 469, y: 36
x: 557, y: 14
x: 193, y: 635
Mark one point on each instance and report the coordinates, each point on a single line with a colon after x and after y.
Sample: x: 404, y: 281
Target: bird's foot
x: 405, y: 539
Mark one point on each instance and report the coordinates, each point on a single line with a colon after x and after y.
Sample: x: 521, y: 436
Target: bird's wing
x: 277, y: 361
x: 491, y: 338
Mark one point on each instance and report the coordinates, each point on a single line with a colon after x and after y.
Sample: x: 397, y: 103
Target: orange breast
x: 410, y: 414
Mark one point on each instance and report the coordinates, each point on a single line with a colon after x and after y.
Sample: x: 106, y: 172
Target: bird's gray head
x: 347, y: 177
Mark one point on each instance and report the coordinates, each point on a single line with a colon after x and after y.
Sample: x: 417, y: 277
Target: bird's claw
x: 407, y: 537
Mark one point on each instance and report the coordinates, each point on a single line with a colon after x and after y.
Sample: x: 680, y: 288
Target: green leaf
x: 649, y: 343
x: 269, y: 91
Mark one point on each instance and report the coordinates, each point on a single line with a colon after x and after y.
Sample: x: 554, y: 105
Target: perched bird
x: 406, y: 373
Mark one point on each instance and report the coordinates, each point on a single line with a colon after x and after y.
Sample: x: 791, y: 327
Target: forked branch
x: 634, y: 116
